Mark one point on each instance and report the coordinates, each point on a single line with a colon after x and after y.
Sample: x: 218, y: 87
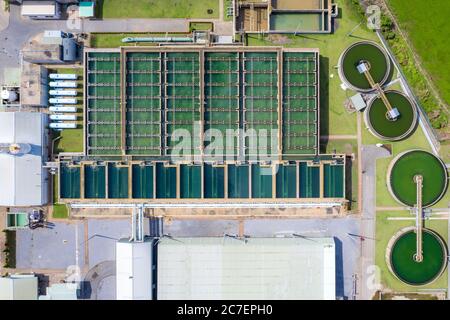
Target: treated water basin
x: 417, y: 162
x: 371, y: 53
x: 70, y: 182
x: 142, y: 181
x: 385, y: 128
x: 94, y: 182
x: 405, y: 266
x: 296, y: 21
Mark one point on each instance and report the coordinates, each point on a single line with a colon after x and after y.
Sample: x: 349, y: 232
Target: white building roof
x: 134, y: 270
x: 260, y: 268
x: 23, y: 180
x: 38, y: 8
x: 19, y: 287
x: 358, y: 102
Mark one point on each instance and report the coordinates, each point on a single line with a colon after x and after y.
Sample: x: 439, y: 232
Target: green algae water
x: 374, y: 55
x: 388, y: 129
x: 418, y: 273
x: 413, y: 163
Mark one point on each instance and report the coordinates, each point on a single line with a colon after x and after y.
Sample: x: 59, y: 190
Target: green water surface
x: 385, y: 127
x: 410, y: 271
x: 368, y: 52
x: 423, y: 163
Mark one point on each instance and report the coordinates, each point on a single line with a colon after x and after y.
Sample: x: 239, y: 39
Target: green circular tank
x: 385, y: 128
x: 373, y: 55
x: 417, y: 162
x: 401, y: 257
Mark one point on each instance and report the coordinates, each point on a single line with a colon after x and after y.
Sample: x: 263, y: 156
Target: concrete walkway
x: 369, y: 155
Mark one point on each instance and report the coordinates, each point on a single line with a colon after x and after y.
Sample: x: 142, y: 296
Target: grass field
x: 385, y: 229
x: 426, y: 23
x: 60, y: 211
x: 158, y: 9
x: 201, y: 26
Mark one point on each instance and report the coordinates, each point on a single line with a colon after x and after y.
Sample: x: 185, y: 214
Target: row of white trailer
x: 60, y: 97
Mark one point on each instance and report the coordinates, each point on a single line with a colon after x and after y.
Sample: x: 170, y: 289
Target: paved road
x: 370, y: 153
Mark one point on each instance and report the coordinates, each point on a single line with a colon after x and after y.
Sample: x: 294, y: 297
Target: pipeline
x: 156, y: 39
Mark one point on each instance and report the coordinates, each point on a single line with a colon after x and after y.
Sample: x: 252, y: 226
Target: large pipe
x: 157, y: 39
x: 418, y: 179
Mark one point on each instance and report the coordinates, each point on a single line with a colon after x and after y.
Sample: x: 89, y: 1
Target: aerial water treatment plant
x: 417, y: 255
x: 365, y: 67
x: 416, y: 179
x: 137, y: 98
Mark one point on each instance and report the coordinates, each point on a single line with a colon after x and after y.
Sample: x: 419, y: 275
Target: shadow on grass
x: 99, y: 9
x: 324, y: 102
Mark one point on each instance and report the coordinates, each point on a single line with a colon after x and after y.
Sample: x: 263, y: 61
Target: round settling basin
x: 401, y: 253
x: 368, y: 52
x: 391, y: 129
x: 417, y: 162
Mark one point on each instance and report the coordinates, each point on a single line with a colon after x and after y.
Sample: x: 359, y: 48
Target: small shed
x: 87, y: 9
x: 358, y: 102
x: 69, y: 49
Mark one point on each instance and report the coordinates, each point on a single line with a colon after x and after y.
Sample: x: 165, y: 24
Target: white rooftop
x: 134, y: 270
x: 19, y: 287
x: 23, y: 180
x: 260, y: 268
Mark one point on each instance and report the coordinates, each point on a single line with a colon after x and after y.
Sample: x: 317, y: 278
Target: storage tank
x: 9, y: 95
x: 63, y: 76
x: 60, y: 108
x: 63, y: 100
x: 63, y: 92
x: 63, y: 84
x: 63, y: 125
x: 63, y: 117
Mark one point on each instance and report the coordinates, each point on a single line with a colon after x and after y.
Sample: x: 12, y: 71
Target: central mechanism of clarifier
x: 364, y: 68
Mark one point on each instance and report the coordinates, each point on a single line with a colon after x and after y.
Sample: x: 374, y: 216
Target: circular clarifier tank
x: 401, y: 260
x: 374, y: 57
x: 408, y: 164
x: 382, y: 126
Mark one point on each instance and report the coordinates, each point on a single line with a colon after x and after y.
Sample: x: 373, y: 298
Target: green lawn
x: 201, y: 26
x: 60, y: 211
x: 158, y: 9
x: 426, y: 23
x: 385, y: 229
x: 71, y: 140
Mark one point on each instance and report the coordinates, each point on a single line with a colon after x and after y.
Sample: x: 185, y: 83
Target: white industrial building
x: 227, y: 268
x: 23, y: 146
x: 19, y: 287
x: 134, y: 270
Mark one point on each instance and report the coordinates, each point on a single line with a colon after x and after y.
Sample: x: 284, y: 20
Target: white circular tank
x: 9, y: 95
